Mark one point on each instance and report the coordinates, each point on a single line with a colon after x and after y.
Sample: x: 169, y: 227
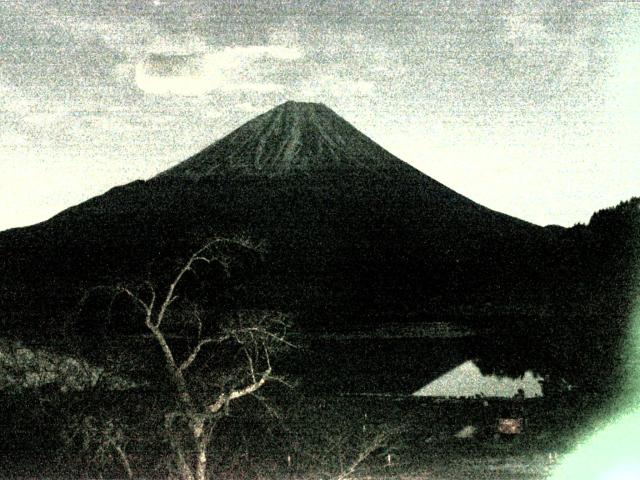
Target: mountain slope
x: 347, y: 225
x: 291, y: 137
x: 354, y: 236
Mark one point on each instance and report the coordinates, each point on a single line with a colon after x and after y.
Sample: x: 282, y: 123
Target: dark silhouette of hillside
x: 592, y: 275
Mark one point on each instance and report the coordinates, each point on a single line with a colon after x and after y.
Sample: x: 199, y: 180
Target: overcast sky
x: 530, y: 108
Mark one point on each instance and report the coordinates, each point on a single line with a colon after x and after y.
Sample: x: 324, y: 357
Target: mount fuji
x: 354, y: 238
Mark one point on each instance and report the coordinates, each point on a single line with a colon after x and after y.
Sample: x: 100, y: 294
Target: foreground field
x: 523, y: 467
x: 302, y: 436
x: 450, y: 466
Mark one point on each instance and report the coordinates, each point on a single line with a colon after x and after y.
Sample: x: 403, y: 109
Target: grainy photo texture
x: 319, y: 240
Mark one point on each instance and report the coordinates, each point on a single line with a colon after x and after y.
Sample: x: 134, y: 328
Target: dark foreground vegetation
x: 292, y: 434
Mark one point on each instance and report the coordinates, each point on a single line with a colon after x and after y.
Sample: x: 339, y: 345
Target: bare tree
x: 202, y: 395
x: 340, y: 455
x: 104, y: 438
x: 348, y: 469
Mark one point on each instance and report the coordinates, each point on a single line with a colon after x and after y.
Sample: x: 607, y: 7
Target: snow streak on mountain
x: 293, y: 136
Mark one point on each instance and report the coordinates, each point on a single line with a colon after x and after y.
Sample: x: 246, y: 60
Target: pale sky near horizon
x: 528, y: 107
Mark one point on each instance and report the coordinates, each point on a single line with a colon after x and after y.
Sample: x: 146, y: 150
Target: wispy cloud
x: 228, y: 69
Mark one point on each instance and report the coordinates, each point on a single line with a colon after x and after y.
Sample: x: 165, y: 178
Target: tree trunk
x: 201, y: 466
x: 125, y: 461
x: 201, y: 450
x: 185, y: 469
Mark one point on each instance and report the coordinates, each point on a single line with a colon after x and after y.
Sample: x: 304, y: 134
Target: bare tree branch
x: 378, y: 441
x: 194, y: 353
x: 225, y: 398
x: 146, y: 307
x: 124, y: 460
x: 267, y: 333
x: 252, y: 371
x: 196, y: 257
x: 272, y: 411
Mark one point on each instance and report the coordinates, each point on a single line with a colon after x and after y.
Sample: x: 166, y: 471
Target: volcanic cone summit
x: 292, y: 137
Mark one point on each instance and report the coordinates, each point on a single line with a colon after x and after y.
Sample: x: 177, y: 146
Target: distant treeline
x: 592, y: 275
